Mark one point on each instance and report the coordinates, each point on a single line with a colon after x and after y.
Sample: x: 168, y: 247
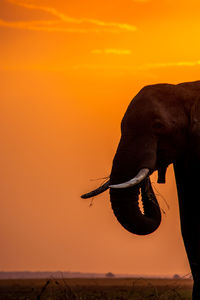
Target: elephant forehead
x: 160, y: 107
x: 151, y: 110
x: 141, y: 116
x: 157, y: 97
x: 144, y: 107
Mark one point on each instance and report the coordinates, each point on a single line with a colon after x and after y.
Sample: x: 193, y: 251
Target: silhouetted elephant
x: 161, y: 126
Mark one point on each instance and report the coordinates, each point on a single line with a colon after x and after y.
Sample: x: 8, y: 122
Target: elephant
x: 161, y: 126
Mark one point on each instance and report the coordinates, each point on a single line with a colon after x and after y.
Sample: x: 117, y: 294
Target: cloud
x: 111, y: 51
x: 113, y: 67
x: 50, y: 26
x: 63, y: 20
x: 101, y: 67
x: 171, y: 64
x: 140, y: 67
x: 141, y: 1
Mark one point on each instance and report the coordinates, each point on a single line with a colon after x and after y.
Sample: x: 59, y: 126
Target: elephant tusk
x: 137, y: 179
x: 98, y: 191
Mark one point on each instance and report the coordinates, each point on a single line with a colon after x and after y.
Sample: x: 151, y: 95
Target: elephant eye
x: 158, y: 126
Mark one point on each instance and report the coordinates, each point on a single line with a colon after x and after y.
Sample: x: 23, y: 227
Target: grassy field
x: 95, y: 289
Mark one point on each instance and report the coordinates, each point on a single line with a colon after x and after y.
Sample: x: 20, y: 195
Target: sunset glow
x: 68, y: 71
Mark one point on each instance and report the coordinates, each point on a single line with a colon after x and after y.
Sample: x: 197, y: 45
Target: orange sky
x: 68, y: 70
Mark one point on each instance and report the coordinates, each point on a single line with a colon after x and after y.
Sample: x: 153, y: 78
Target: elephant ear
x: 195, y: 128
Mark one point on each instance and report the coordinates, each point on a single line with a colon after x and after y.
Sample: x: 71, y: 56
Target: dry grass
x: 96, y: 289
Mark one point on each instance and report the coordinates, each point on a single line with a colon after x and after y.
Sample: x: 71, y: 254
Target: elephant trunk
x: 127, y: 211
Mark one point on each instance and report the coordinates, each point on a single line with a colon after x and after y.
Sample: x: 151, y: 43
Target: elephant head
x: 161, y: 126
x: 154, y: 132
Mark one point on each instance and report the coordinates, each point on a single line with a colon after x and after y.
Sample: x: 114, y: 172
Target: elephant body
x: 161, y: 126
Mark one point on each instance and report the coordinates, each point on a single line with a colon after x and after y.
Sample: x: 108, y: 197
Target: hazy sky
x: 68, y: 70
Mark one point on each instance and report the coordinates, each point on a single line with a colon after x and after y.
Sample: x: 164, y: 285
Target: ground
x: 98, y: 289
